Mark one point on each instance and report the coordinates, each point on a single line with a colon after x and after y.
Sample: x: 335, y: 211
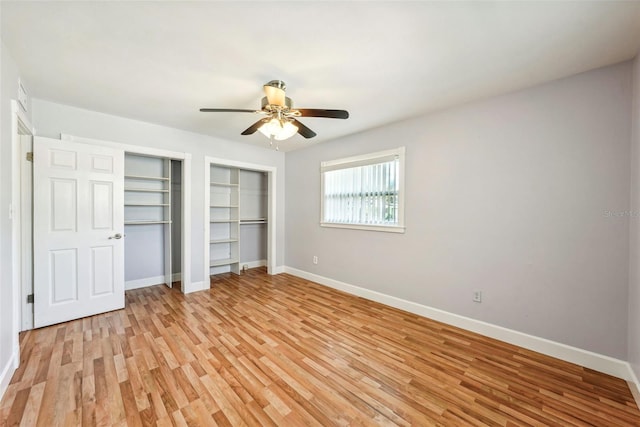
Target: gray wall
x: 253, y: 204
x: 51, y: 119
x: 634, y: 233
x: 253, y: 243
x: 9, y: 75
x: 143, y: 252
x: 508, y: 196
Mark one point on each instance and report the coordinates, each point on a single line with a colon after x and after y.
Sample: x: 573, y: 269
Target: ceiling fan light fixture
x: 280, y: 119
x: 278, y: 129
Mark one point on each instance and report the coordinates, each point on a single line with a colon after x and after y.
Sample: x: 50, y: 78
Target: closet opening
x: 239, y: 217
x: 152, y: 219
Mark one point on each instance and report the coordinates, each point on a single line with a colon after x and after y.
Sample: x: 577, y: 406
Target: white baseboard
x: 176, y: 276
x: 253, y: 264
x: 195, y: 287
x: 143, y: 283
x: 7, y: 372
x: 279, y: 269
x: 598, y: 362
x: 634, y: 385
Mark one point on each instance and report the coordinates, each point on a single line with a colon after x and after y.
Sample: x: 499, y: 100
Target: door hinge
x: 30, y: 299
x: 30, y: 156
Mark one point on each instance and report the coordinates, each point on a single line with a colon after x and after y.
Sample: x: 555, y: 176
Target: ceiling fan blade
x: 331, y: 114
x: 303, y: 130
x: 225, y: 110
x: 253, y: 128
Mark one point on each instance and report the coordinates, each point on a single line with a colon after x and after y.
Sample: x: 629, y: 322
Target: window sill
x: 383, y: 228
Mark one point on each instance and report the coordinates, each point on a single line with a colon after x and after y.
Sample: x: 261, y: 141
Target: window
x: 364, y: 192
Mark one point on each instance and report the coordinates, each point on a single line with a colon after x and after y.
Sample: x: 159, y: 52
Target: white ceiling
x: 382, y: 61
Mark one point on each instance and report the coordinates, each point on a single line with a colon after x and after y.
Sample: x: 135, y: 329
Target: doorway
x: 183, y: 234
x: 152, y: 215
x: 21, y: 216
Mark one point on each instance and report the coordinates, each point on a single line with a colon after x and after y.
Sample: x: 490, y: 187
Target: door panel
x: 78, y: 218
x: 63, y: 281
x: 62, y: 159
x: 102, y: 164
x: 64, y: 195
x: 102, y: 280
x: 101, y: 208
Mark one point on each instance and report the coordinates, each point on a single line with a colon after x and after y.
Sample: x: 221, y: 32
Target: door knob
x: 116, y: 236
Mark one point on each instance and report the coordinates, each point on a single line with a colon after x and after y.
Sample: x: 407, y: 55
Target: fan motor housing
x: 278, y: 84
x: 287, y: 102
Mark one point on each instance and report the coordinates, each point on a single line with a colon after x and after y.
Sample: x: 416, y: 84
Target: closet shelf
x: 219, y: 262
x: 146, y: 190
x: 223, y: 241
x: 223, y: 206
x: 146, y: 204
x: 145, y: 222
x: 223, y: 221
x: 150, y: 178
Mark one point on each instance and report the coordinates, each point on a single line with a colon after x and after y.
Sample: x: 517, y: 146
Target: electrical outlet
x: 315, y: 259
x: 477, y: 296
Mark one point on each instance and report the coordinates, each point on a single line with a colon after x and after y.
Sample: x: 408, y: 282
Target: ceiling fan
x: 280, y: 119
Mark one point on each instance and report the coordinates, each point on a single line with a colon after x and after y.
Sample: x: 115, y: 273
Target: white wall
x: 9, y: 75
x: 634, y: 232
x: 508, y: 196
x: 51, y: 119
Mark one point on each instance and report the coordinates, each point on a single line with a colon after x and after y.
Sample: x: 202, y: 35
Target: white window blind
x: 364, y: 191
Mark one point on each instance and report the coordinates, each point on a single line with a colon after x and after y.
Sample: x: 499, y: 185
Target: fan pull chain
x: 271, y: 139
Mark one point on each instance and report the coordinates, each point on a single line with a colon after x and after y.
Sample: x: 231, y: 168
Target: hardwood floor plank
x: 17, y: 408
x: 279, y: 350
x: 131, y: 409
x: 204, y: 395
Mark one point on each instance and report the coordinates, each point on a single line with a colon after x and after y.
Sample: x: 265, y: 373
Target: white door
x: 78, y: 230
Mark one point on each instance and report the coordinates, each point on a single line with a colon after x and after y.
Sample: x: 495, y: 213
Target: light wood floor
x: 278, y: 350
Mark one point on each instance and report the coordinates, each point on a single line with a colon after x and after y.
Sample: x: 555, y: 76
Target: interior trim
x: 7, y: 372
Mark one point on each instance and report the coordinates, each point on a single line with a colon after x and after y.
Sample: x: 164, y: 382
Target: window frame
x: 361, y: 160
